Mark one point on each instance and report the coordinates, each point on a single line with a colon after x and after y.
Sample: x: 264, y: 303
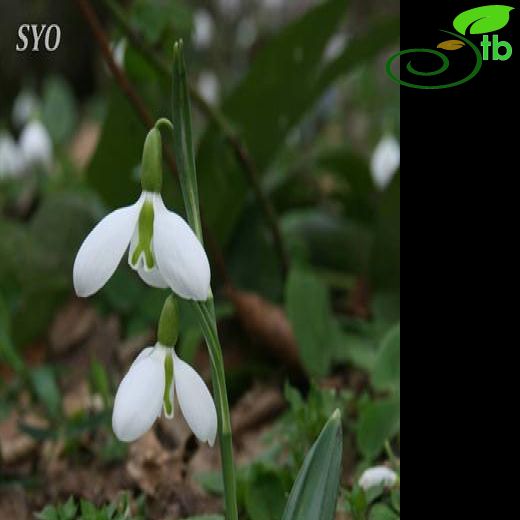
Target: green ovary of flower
x: 145, y: 234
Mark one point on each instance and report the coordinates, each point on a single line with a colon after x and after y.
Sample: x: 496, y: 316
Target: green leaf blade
x: 315, y: 328
x: 314, y: 494
x: 387, y: 369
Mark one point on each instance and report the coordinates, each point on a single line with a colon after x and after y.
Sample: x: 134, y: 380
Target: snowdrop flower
x: 11, y: 160
x: 25, y: 107
x: 149, y: 387
x: 377, y: 476
x: 119, y: 51
x: 385, y: 161
x: 36, y: 145
x: 203, y: 29
x: 162, y: 247
x: 208, y: 86
x: 335, y: 46
x: 247, y: 32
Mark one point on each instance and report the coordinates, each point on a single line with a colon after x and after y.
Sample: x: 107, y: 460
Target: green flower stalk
x: 183, y: 147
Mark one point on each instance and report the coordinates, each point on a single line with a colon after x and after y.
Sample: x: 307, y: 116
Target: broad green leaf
x: 153, y: 18
x: 331, y: 242
x: 309, y: 311
x: 43, y: 381
x: 265, y: 495
x: 8, y: 353
x: 387, y: 368
x: 481, y: 20
x: 59, y: 112
x: 271, y: 99
x: 386, y: 251
x: 396, y: 499
x: 352, y: 170
x: 113, y: 169
x: 378, y: 421
x: 383, y: 512
x: 314, y: 494
x: 68, y: 510
x: 48, y: 513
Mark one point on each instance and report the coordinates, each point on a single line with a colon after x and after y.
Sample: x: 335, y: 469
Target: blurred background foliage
x: 297, y: 130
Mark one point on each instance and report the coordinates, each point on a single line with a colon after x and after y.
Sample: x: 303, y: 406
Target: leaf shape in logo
x: 481, y: 20
x: 451, y: 45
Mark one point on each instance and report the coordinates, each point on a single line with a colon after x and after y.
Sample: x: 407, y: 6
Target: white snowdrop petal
x: 102, y: 250
x: 385, y: 161
x: 146, y: 352
x: 377, y: 476
x: 139, y: 397
x: 180, y: 256
x: 36, y: 145
x: 11, y: 160
x: 195, y: 401
x: 152, y: 277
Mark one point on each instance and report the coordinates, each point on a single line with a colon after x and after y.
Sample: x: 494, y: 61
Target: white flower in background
x: 377, y: 476
x: 36, y: 145
x: 163, y: 250
x: 208, y: 86
x: 119, y: 51
x: 150, y: 385
x: 25, y: 107
x: 247, y: 32
x: 385, y: 161
x: 203, y: 29
x: 335, y: 46
x: 11, y: 160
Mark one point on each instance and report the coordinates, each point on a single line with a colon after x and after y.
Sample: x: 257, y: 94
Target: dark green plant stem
x: 218, y: 118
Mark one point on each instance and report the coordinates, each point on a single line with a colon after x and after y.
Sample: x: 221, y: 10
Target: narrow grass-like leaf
x: 314, y: 494
x: 183, y: 140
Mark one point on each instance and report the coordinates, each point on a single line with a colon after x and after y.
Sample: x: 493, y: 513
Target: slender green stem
x: 183, y: 145
x: 205, y: 312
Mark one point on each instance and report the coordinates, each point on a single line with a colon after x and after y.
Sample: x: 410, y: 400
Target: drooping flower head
x: 151, y: 383
x: 385, y: 161
x: 377, y: 476
x: 36, y: 146
x: 162, y: 247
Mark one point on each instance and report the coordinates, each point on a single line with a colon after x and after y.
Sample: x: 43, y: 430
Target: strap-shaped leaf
x: 314, y: 494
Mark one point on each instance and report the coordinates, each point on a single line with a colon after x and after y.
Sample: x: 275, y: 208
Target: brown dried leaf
x: 16, y: 445
x: 257, y: 406
x: 72, y: 324
x: 267, y: 324
x: 451, y: 45
x: 14, y: 504
x: 151, y: 466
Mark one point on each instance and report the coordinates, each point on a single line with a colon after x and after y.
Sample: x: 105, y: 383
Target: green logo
x: 480, y: 20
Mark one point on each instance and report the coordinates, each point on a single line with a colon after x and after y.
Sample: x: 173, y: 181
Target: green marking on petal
x: 145, y: 234
x: 169, y: 378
